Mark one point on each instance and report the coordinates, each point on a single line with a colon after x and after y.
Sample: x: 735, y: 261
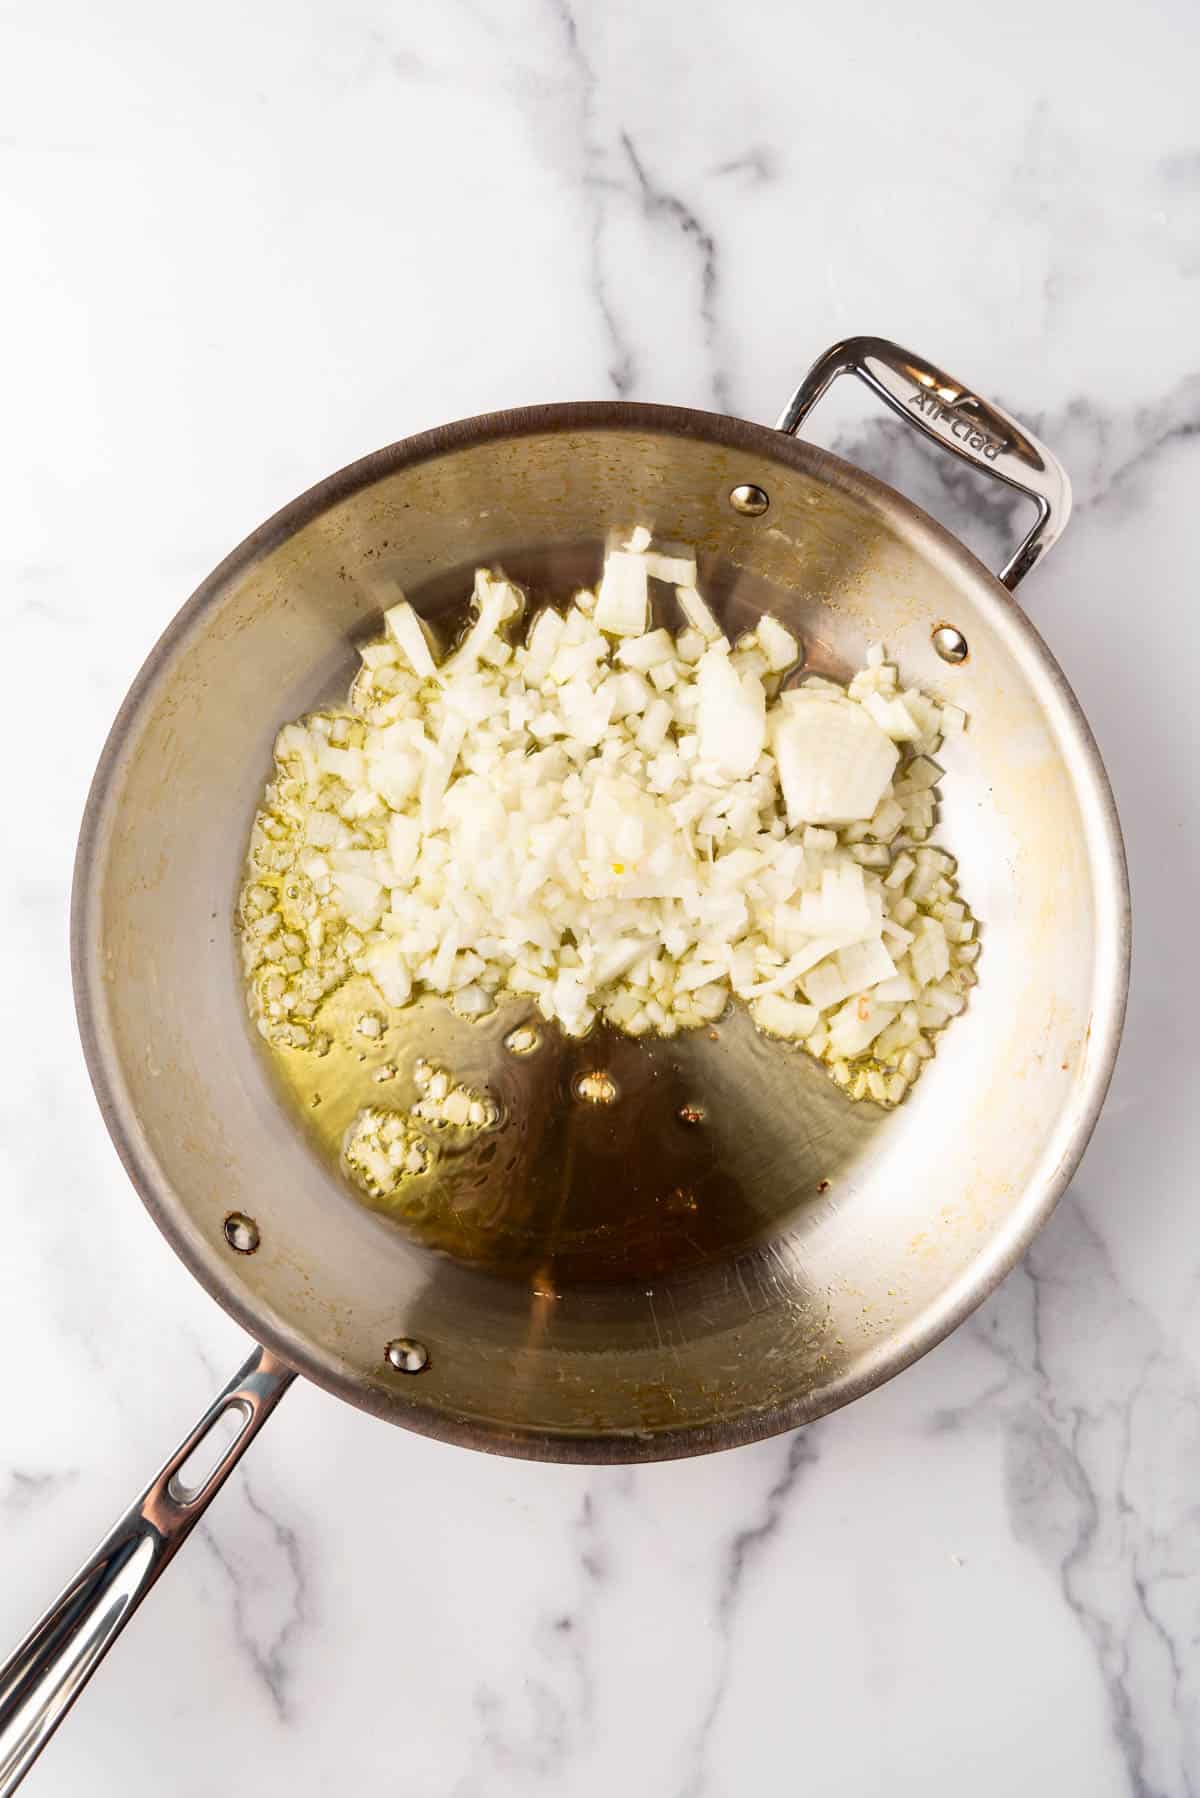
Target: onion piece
x: 834, y: 761
x: 408, y: 633
x: 732, y: 716
x: 778, y: 645
x: 697, y: 613
x: 623, y: 602
x: 784, y: 1017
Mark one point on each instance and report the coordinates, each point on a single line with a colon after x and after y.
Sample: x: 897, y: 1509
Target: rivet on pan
x: 241, y: 1233
x: 407, y: 1356
x: 749, y: 500
x: 950, y: 644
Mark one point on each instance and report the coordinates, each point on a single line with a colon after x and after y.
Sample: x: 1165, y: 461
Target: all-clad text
x: 965, y: 429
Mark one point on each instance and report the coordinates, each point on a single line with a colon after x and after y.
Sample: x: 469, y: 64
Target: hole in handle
x: 193, y: 1474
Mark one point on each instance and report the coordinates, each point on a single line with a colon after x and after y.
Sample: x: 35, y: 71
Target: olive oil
x: 601, y: 1159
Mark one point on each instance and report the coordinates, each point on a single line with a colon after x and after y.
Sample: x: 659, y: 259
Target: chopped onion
x: 628, y: 829
x: 784, y: 1017
x: 646, y: 652
x: 677, y: 570
x: 732, y: 716
x: 777, y: 644
x: 409, y: 634
x: 697, y: 613
x: 623, y: 599
x: 834, y: 761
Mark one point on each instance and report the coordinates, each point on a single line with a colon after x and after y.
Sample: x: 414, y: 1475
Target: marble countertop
x: 244, y: 247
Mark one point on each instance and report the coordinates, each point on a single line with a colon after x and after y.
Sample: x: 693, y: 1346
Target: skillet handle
x: 958, y: 420
x: 44, y: 1677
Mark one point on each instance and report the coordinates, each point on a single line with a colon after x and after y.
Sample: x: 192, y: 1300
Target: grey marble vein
x: 754, y: 166
x: 1108, y: 449
x: 746, y: 1550
x: 616, y: 173
x: 1083, y: 1363
x: 23, y: 1493
x: 1181, y: 168
x: 622, y: 368
x: 268, y: 1583
x: 664, y: 207
x: 531, y: 1732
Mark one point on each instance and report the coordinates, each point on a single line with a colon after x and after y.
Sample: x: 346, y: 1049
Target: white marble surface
x: 245, y: 244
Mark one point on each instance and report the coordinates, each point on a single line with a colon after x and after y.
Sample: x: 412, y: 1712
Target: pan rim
x: 941, y: 1316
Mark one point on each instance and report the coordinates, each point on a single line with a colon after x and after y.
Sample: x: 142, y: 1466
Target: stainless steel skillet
x: 829, y: 1244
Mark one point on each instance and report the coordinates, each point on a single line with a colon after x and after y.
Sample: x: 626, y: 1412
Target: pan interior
x: 613, y: 1159
x: 601, y: 1281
